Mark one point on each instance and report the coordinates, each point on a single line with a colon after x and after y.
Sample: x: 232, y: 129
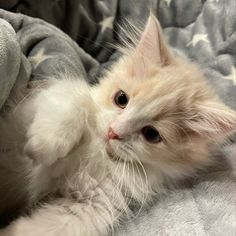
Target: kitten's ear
x: 152, y: 47
x: 213, y: 120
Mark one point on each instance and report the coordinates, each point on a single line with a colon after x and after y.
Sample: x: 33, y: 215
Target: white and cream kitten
x: 150, y: 121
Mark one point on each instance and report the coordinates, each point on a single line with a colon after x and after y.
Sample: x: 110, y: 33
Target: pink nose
x: 111, y: 134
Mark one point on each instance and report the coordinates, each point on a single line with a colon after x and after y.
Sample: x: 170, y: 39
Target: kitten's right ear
x: 152, y: 48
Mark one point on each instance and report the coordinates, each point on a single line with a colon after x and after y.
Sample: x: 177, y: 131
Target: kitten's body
x: 92, y: 177
x: 87, y: 179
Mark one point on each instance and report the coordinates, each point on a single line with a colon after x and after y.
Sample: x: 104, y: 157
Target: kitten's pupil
x: 151, y: 134
x: 121, y: 99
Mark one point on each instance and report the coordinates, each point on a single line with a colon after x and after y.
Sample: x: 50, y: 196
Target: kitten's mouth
x: 112, y: 155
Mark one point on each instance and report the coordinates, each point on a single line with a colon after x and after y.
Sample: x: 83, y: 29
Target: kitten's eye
x: 121, y: 99
x: 151, y: 134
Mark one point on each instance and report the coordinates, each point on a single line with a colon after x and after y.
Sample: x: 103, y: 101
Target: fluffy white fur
x: 62, y: 150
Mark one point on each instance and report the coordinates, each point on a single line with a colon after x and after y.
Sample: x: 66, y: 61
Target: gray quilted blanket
x: 204, y: 30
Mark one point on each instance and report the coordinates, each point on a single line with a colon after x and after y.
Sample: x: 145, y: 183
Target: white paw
x: 55, y: 130
x: 44, y: 150
x: 46, y: 143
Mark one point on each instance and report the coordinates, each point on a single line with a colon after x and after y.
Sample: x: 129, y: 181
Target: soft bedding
x: 204, y: 30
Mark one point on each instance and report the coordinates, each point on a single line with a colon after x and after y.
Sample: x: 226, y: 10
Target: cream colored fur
x: 64, y: 140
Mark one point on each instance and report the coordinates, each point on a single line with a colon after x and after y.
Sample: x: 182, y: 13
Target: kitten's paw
x: 56, y: 129
x: 46, y: 150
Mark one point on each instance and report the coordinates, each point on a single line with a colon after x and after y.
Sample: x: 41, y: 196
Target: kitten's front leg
x: 64, y: 219
x: 58, y: 123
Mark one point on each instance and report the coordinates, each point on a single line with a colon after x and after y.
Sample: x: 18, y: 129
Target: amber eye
x: 121, y: 99
x: 151, y: 134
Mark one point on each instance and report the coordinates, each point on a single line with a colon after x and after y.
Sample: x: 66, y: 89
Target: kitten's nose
x: 111, y: 134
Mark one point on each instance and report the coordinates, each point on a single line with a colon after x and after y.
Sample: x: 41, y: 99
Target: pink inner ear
x: 151, y: 49
x: 214, y: 120
x: 149, y: 45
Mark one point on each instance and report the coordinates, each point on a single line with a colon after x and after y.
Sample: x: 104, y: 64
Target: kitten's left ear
x: 213, y: 120
x: 152, y: 47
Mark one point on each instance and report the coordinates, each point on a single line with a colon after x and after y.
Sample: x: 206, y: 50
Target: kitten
x: 96, y: 150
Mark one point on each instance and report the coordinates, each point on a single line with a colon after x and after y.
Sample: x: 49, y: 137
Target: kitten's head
x: 156, y: 108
